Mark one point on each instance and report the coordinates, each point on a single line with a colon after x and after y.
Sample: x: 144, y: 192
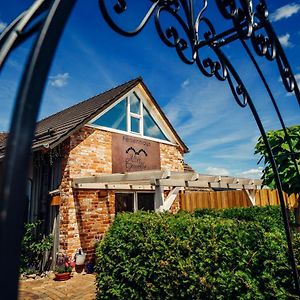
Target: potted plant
x: 63, y: 267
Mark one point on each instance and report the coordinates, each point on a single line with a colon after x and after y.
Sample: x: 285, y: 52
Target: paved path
x: 79, y: 287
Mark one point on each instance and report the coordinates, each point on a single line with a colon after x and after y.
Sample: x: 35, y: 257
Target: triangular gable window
x: 151, y: 129
x: 114, y: 118
x: 131, y: 115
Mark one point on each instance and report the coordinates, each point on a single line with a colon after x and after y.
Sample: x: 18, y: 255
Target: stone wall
x: 86, y: 214
x: 171, y: 158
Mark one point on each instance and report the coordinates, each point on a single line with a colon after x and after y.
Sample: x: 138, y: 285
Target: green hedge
x: 268, y: 216
x: 207, y: 255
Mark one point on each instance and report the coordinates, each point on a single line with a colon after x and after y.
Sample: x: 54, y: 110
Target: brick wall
x: 90, y: 152
x: 95, y: 212
x: 86, y: 153
x: 86, y: 215
x: 171, y: 158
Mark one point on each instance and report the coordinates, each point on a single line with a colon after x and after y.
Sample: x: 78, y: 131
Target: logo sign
x: 131, y: 154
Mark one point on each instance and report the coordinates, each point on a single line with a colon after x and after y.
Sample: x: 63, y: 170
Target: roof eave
x: 93, y: 115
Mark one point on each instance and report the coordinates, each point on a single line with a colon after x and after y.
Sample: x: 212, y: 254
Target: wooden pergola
x: 160, y: 181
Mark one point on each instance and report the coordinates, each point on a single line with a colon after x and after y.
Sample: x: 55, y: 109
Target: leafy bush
x: 185, y: 256
x: 287, y: 167
x: 268, y: 216
x: 34, y: 245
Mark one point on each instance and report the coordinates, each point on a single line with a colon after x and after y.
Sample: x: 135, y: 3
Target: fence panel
x: 191, y: 200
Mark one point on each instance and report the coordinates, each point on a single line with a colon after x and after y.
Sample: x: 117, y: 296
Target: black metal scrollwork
x: 218, y: 66
x: 242, y: 17
x: 246, y: 21
x: 120, y: 7
x: 190, y: 32
x: 268, y: 45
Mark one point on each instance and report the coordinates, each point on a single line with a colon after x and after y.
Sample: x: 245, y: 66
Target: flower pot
x: 89, y: 267
x: 62, y: 276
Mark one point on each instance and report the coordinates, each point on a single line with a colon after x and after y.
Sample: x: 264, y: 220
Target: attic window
x: 131, y: 115
x: 115, y: 117
x: 134, y: 115
x: 151, y: 129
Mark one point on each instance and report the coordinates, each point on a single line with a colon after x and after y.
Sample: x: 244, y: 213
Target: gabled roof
x: 54, y: 129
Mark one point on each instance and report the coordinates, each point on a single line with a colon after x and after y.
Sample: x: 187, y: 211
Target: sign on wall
x: 131, y: 154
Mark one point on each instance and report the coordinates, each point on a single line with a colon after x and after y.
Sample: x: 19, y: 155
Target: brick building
x: 114, y: 152
x: 121, y: 131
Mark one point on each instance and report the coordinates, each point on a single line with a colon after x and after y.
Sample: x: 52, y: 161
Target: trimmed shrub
x: 268, y: 216
x: 193, y: 256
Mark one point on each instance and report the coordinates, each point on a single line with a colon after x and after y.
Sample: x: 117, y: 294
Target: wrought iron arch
x: 47, y: 18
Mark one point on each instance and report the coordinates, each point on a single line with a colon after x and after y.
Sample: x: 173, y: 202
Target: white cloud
x: 220, y: 140
x: 2, y: 25
x: 297, y: 77
x: 196, y: 107
x: 217, y: 171
x: 185, y: 83
x: 154, y: 130
x: 285, y: 40
x: 285, y: 12
x: 252, y: 173
x: 242, y: 151
x: 59, y: 80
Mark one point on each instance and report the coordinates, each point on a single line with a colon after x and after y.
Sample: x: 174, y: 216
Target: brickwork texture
x: 85, y: 215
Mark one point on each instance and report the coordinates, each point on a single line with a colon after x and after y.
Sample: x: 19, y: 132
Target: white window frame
x: 126, y: 97
x: 135, y: 197
x: 140, y: 116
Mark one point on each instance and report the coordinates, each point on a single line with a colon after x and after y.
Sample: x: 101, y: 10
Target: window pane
x: 114, y: 118
x: 135, y: 124
x: 151, y: 129
x: 135, y: 104
x: 146, y: 201
x: 124, y: 202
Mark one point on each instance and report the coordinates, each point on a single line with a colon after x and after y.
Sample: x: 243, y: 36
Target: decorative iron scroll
x: 247, y: 24
x: 47, y: 18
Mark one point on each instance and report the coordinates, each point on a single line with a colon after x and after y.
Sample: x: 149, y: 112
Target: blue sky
x: 91, y: 58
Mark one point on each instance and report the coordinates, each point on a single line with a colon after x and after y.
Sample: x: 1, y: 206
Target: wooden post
x: 158, y: 197
x: 251, y: 196
x: 297, y: 212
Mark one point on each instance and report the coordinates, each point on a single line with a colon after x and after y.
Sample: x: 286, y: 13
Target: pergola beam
x: 118, y: 177
x: 170, y: 199
x: 251, y: 196
x: 147, y: 180
x: 114, y: 186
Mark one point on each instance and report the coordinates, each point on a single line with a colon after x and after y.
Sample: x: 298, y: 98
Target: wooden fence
x: 191, y: 200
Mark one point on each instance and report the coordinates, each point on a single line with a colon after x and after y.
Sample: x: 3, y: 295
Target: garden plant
x: 228, y: 254
x: 34, y: 246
